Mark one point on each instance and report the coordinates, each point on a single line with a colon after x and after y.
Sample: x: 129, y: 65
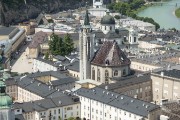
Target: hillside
x: 15, y: 10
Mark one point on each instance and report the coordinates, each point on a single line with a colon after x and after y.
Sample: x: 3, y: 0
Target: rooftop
x: 120, y: 101
x: 127, y: 81
x: 110, y: 54
x: 174, y: 73
x: 44, y: 104
x: 6, y: 30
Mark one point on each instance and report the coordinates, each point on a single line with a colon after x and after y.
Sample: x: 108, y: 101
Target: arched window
x: 124, y: 72
x: 93, y: 73
x: 98, y: 75
x: 106, y: 77
x: 115, y: 73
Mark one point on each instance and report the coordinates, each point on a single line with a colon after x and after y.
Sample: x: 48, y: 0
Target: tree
x: 47, y: 55
x: 117, y: 16
x: 58, y: 46
x: 71, y: 118
x: 68, y: 44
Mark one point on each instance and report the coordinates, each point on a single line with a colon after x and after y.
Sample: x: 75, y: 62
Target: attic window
x: 107, y: 62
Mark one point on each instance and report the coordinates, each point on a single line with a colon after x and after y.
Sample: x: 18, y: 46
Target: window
x: 54, y: 111
x: 124, y: 72
x: 110, y: 27
x: 115, y: 73
x: 105, y: 27
x: 59, y: 111
x: 93, y: 73
x: 98, y: 75
x: 106, y: 77
x: 134, y: 39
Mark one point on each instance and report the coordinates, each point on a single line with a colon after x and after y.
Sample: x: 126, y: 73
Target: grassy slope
x: 177, y: 12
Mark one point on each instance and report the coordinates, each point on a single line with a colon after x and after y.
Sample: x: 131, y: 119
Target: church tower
x: 86, y: 43
x: 5, y: 104
x: 133, y: 36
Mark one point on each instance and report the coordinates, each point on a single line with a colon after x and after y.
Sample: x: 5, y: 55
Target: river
x: 163, y: 15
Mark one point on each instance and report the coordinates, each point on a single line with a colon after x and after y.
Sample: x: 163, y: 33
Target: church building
x: 109, y: 60
x: 99, y: 9
x: 5, y: 104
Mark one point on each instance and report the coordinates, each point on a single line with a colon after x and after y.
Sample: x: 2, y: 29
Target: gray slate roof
x: 174, y: 73
x: 74, y: 66
x: 30, y: 83
x: 6, y: 30
x: 44, y: 104
x: 127, y: 81
x: 120, y: 101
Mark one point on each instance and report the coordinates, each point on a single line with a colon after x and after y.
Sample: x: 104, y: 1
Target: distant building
x: 38, y: 86
x: 136, y: 86
x: 98, y: 10
x: 39, y: 44
x: 102, y: 104
x: 165, y: 86
x: 145, y: 26
x: 57, y: 108
x: 11, y: 38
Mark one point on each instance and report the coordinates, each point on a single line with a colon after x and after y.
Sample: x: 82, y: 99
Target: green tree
x: 47, y: 55
x: 117, y: 16
x: 58, y: 46
x: 71, y: 118
x: 68, y: 44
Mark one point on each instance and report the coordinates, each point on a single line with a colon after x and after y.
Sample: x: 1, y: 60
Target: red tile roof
x: 110, y: 55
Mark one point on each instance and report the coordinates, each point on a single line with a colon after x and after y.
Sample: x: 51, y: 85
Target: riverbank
x: 177, y: 13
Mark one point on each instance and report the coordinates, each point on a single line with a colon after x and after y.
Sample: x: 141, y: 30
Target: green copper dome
x: 5, y: 101
x: 2, y: 84
x: 107, y: 19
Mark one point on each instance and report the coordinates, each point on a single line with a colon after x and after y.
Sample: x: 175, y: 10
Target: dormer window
x: 107, y: 62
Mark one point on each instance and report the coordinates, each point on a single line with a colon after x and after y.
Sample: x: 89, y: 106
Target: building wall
x: 4, y: 37
x: 26, y: 96
x: 74, y: 73
x: 46, y: 79
x: 142, y: 91
x: 63, y: 112
x: 110, y: 70
x: 32, y: 52
x: 165, y: 88
x: 42, y: 66
x: 13, y: 92
x: 27, y: 28
x: 140, y: 66
x: 18, y: 41
x: 95, y: 110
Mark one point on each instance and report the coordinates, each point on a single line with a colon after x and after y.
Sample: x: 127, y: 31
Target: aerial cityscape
x: 89, y: 59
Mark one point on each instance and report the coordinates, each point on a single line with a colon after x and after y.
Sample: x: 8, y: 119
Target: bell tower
x: 86, y: 47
